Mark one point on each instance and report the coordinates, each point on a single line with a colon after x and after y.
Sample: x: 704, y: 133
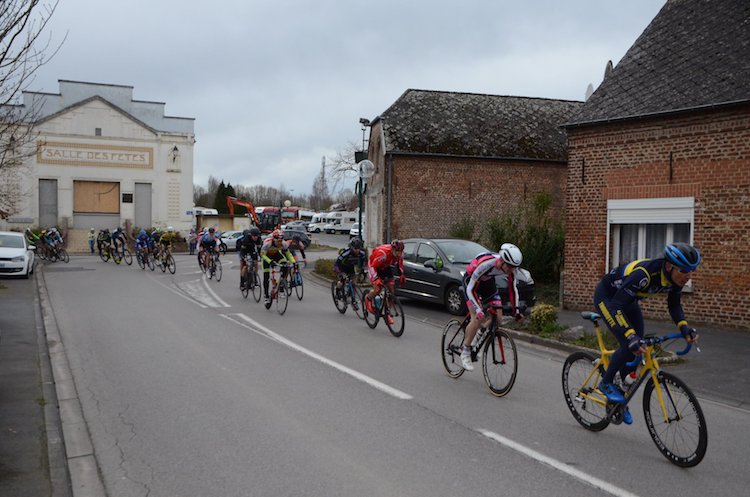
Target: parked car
x: 434, y: 270
x: 16, y: 255
x: 229, y: 239
x: 304, y: 237
x: 355, y: 231
x: 295, y: 225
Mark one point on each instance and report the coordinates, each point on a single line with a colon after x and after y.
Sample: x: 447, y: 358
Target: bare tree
x: 22, y: 53
x: 320, y: 198
x: 343, y: 167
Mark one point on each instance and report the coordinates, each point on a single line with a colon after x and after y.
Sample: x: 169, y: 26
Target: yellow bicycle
x: 674, y: 418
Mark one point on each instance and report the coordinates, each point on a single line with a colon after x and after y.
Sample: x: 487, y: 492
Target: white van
x: 340, y: 222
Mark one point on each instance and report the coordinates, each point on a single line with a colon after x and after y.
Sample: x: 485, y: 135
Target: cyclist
x: 617, y: 298
x: 209, y: 242
x: 248, y: 245
x: 349, y: 262
x: 166, y: 240
x: 274, y: 250
x: 480, y: 287
x: 297, y: 243
x: 103, y: 240
x: 32, y: 238
x: 383, y: 260
x: 118, y: 240
x: 53, y: 238
x: 142, y: 242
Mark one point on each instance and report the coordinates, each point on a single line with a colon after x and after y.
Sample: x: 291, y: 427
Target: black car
x: 303, y: 236
x: 435, y: 268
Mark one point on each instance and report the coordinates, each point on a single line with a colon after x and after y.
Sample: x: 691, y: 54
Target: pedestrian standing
x: 92, y: 237
x: 192, y: 241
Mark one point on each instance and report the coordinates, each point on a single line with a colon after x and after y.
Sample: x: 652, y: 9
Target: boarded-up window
x: 96, y: 196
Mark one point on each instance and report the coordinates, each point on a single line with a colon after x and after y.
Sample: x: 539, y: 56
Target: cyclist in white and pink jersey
x: 480, y: 286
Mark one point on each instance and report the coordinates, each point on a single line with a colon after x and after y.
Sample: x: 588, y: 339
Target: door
x: 143, y: 205
x: 47, y: 203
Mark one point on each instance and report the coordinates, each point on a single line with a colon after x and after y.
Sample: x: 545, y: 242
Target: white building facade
x: 104, y: 160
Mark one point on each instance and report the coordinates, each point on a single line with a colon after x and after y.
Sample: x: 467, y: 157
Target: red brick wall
x: 710, y: 161
x: 433, y: 194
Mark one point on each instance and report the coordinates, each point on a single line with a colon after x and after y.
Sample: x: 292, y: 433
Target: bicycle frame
x: 650, y: 369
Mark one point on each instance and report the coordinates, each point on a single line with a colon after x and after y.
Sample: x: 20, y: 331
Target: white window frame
x: 643, y: 211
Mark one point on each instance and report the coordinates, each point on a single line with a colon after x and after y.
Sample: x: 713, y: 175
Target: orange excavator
x: 267, y: 222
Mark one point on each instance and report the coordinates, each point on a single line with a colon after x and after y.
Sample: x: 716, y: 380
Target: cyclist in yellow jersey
x: 274, y: 250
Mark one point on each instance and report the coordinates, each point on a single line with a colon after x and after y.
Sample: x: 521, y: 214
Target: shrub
x: 324, y: 267
x: 542, y: 316
x: 463, y: 229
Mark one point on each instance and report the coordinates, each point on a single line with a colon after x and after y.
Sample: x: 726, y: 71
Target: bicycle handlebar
x: 655, y: 340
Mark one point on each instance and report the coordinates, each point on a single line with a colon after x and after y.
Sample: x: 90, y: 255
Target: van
x: 340, y: 222
x: 317, y: 222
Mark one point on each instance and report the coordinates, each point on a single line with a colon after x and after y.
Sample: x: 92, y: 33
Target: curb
x: 76, y: 448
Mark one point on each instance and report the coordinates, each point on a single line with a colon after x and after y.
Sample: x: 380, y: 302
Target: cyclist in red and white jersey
x: 383, y: 260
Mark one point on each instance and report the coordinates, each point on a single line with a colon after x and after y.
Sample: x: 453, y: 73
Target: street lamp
x: 366, y: 170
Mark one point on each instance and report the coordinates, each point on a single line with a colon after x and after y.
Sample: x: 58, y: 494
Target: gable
x: 84, y: 118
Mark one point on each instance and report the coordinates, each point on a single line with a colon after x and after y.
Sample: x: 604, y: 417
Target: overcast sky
x: 275, y: 85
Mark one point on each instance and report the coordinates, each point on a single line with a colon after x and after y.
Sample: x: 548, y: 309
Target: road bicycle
x: 144, y: 258
x: 252, y: 282
x: 108, y: 252
x: 674, y: 418
x: 348, y: 295
x: 498, y: 349
x: 279, y: 282
x: 58, y: 254
x: 166, y: 261
x: 295, y: 281
x: 386, y: 304
x: 214, y: 266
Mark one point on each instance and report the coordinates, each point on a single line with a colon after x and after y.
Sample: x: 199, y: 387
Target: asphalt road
x: 189, y: 389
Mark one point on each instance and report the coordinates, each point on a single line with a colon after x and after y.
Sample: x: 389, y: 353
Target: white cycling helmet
x: 511, y: 254
x: 170, y: 229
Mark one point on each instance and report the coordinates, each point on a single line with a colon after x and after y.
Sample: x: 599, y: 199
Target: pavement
x: 43, y: 437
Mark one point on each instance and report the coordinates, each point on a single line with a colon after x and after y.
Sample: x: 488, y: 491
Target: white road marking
x: 180, y: 293
x: 213, y: 294
x: 560, y: 466
x: 263, y: 331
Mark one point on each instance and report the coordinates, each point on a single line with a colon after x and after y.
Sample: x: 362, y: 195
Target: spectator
x: 92, y: 237
x: 192, y: 241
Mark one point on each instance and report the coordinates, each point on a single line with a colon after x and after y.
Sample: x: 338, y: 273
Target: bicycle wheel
x: 255, y: 287
x: 355, y: 295
x: 371, y: 318
x: 116, y: 256
x: 127, y: 257
x: 64, y: 255
x: 453, y: 339
x: 162, y: 262
x: 150, y: 262
x: 200, y: 264
x: 171, y: 264
x: 500, y: 363
x: 338, y: 298
x: 217, y: 264
x: 682, y: 437
x: 397, y: 314
x: 139, y: 260
x: 299, y: 287
x: 282, y: 296
x: 580, y: 379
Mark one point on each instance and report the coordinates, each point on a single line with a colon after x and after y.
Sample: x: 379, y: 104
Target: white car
x: 16, y: 255
x: 355, y: 231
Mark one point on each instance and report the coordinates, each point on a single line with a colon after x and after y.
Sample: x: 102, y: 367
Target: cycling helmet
x: 296, y: 238
x: 277, y: 235
x: 355, y: 243
x: 511, y: 254
x: 170, y: 229
x: 245, y: 232
x: 254, y: 231
x: 683, y: 256
x: 142, y: 232
x: 397, y: 245
x: 211, y: 229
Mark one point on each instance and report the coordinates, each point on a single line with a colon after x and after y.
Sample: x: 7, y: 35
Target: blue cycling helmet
x: 142, y: 232
x: 683, y: 256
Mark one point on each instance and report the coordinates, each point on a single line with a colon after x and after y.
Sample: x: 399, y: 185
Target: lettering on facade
x: 85, y: 154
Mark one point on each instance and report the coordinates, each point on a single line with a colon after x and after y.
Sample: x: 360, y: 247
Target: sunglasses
x: 684, y: 271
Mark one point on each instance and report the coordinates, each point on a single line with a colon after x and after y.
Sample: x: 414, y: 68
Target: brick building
x: 661, y: 153
x: 442, y: 158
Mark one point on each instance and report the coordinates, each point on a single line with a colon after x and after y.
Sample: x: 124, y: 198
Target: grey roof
x: 695, y: 54
x: 476, y: 125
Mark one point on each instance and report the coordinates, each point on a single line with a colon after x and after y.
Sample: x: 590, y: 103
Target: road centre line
x: 213, y: 294
x: 263, y: 331
x: 560, y: 466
